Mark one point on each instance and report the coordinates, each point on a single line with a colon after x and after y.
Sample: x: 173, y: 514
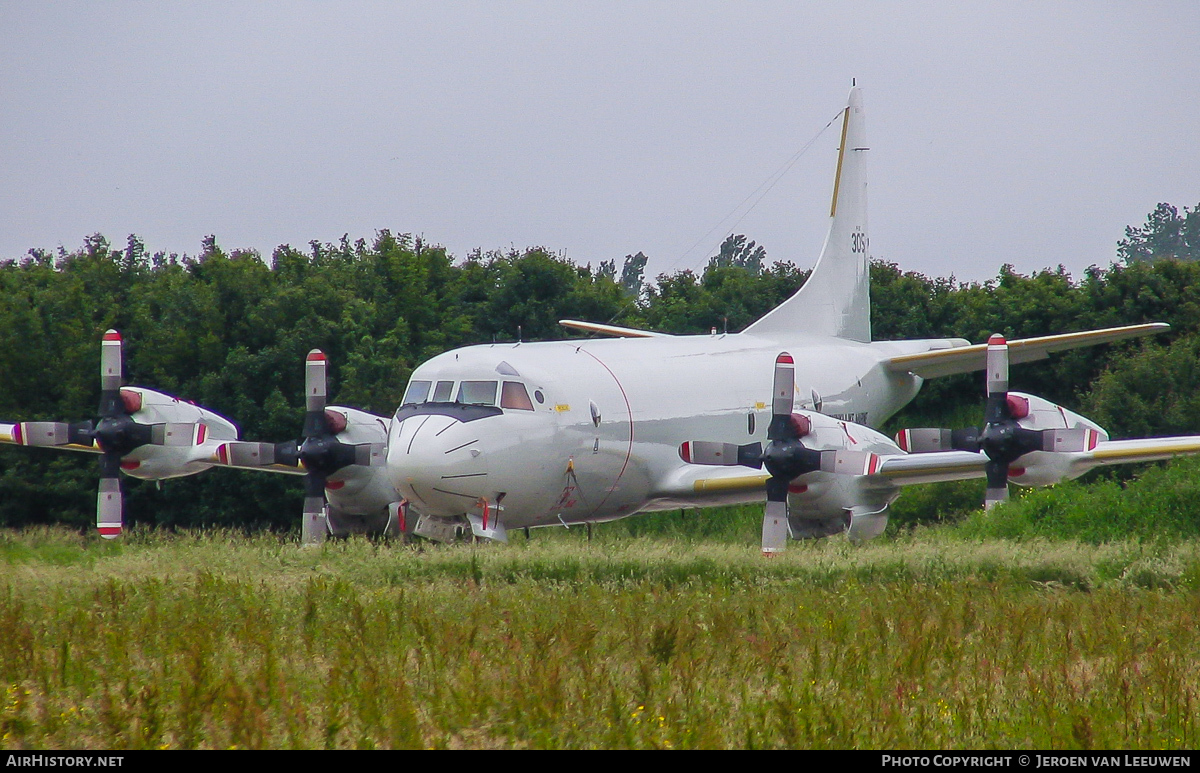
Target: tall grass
x: 218, y: 640
x: 1161, y: 502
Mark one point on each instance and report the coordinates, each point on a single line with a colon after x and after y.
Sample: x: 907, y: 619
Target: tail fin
x: 836, y: 301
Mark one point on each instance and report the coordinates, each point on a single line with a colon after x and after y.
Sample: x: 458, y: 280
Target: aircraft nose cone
x: 438, y: 462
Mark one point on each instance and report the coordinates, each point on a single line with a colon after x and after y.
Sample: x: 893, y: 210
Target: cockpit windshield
x: 513, y: 394
x: 477, y: 393
x: 418, y: 392
x: 442, y: 392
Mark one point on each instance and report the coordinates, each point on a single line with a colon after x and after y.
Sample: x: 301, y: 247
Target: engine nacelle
x: 160, y: 462
x: 824, y: 503
x: 359, y: 495
x: 1042, y: 468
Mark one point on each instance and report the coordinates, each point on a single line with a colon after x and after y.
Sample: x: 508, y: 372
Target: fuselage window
x: 513, y: 395
x: 418, y: 392
x: 477, y: 393
x: 443, y: 391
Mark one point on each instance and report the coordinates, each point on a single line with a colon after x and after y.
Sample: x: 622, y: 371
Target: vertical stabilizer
x: 836, y: 301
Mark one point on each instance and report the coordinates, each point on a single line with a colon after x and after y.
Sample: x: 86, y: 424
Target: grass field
x: 927, y: 640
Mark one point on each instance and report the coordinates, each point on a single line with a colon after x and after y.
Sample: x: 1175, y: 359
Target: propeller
x: 1002, y: 438
x: 318, y: 450
x: 116, y: 434
x: 785, y: 457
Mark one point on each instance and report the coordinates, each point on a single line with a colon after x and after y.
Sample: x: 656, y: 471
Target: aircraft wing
x: 936, y: 467
x: 702, y: 486
x: 611, y: 330
x: 698, y: 486
x: 964, y: 359
x: 1150, y: 449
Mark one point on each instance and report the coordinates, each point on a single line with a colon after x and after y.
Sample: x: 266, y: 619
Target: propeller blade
x: 315, y: 390
x: 320, y: 452
x: 706, y: 452
x: 240, y: 453
x: 994, y: 496
x: 923, y: 440
x: 1069, y: 440
x: 722, y: 454
x: 751, y: 455
x: 775, y: 517
x: 111, y: 374
x: 44, y: 433
x: 784, y: 389
x: 116, y: 434
x: 110, y: 508
x: 849, y: 462
x: 997, y: 483
x: 111, y: 361
x: 110, y: 504
x: 315, y: 526
x: 997, y: 365
x: 965, y: 439
x: 775, y: 528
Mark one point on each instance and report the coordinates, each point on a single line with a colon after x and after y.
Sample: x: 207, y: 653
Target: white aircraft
x: 501, y: 436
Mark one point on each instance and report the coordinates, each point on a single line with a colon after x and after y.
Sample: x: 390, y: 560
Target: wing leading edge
x: 965, y: 359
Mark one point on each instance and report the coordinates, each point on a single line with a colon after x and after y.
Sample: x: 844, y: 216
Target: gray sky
x: 1015, y: 132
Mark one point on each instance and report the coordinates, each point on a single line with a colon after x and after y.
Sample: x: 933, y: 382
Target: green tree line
x: 229, y: 330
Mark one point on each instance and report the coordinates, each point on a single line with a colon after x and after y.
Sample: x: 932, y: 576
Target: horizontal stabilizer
x: 611, y: 330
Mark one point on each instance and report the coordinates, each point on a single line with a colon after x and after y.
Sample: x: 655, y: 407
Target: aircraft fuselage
x: 593, y: 431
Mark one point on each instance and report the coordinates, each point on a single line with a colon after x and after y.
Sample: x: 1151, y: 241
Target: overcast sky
x: 1014, y: 132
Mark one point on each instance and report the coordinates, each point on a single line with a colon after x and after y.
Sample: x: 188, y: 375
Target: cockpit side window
x: 443, y: 391
x: 418, y: 392
x: 477, y: 392
x: 514, y: 395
